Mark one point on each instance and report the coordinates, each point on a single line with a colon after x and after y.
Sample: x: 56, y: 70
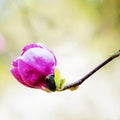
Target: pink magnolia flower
x: 34, y: 64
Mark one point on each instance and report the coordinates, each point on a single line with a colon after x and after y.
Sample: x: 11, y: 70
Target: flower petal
x: 31, y: 76
x: 40, y: 59
x: 45, y: 47
x: 27, y: 47
x: 15, y: 62
x: 16, y: 74
x: 39, y: 45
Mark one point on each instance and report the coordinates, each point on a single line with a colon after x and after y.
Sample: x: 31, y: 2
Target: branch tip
x: 75, y: 85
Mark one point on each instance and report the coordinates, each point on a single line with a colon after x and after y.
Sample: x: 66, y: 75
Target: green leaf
x: 58, y: 80
x: 57, y: 77
x: 62, y: 81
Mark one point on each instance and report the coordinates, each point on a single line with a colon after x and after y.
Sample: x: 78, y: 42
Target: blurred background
x: 82, y: 34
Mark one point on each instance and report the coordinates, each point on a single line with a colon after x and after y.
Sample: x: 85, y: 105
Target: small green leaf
x: 58, y: 80
x: 57, y: 77
x: 62, y: 81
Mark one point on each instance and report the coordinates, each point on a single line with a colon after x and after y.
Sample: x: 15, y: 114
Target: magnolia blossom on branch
x: 34, y: 64
x: 36, y: 68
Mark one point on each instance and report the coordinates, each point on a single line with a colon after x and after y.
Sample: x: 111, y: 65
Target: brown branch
x: 80, y: 81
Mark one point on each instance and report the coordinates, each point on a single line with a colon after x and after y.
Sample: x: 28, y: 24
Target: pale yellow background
x: 82, y: 33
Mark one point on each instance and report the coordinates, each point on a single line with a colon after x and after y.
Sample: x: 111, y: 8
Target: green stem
x: 80, y: 81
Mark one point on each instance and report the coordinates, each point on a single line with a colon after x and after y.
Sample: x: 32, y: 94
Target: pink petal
x: 45, y: 47
x: 16, y: 74
x: 27, y: 47
x: 40, y: 59
x: 31, y: 76
x: 39, y: 45
x: 15, y: 62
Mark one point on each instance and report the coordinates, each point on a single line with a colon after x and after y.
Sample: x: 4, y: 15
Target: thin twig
x: 80, y: 81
